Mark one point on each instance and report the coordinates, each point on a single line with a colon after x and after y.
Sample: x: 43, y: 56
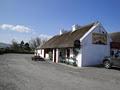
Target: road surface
x: 19, y: 72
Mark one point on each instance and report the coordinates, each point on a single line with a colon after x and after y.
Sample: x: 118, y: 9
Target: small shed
x: 115, y: 44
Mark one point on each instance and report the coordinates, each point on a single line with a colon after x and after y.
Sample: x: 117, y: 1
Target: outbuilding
x: 115, y: 44
x: 83, y: 46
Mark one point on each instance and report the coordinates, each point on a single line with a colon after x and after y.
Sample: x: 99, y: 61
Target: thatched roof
x: 67, y: 39
x: 115, y: 44
x: 115, y: 36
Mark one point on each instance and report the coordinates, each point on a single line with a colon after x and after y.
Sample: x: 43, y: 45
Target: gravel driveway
x: 19, y: 72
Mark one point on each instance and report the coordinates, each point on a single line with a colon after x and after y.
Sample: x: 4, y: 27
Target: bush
x: 2, y: 51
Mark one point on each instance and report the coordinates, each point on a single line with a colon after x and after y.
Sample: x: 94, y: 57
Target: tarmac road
x: 19, y: 72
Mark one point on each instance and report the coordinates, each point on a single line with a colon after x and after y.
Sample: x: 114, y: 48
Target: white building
x: 83, y: 45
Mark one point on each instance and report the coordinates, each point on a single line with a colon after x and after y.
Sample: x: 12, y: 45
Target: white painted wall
x: 46, y: 56
x: 42, y: 55
x: 40, y: 52
x: 71, y: 52
x: 79, y: 58
x: 53, y: 55
x: 93, y: 54
x: 35, y: 52
x: 57, y: 55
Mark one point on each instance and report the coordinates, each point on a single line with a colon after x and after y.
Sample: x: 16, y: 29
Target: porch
x: 62, y: 55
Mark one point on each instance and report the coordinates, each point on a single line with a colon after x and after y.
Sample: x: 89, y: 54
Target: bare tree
x: 15, y: 45
x: 33, y: 43
x: 38, y: 41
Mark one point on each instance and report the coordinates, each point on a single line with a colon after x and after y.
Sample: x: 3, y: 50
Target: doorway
x: 55, y: 56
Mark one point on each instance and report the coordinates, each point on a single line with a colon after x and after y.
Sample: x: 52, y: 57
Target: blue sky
x: 47, y: 17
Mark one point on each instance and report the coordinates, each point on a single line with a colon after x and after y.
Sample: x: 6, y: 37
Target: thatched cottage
x: 82, y: 46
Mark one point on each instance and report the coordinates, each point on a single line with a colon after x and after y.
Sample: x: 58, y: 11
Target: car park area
x: 20, y: 72
x: 113, y: 60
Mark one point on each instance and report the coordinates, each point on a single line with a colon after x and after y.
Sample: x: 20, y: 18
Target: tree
x: 27, y: 47
x: 21, y: 44
x: 15, y: 45
x: 35, y: 42
x: 38, y: 41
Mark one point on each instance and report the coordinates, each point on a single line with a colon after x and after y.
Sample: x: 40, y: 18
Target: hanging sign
x: 98, y: 38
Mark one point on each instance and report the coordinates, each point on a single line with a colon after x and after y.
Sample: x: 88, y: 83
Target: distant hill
x: 4, y: 45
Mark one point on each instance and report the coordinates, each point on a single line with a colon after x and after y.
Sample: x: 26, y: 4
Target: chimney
x: 62, y: 31
x: 75, y: 27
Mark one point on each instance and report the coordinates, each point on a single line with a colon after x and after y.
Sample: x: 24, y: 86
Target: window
x: 77, y: 44
x: 100, y: 39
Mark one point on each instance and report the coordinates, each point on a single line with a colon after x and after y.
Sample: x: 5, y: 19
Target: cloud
x: 18, y: 28
x: 45, y: 36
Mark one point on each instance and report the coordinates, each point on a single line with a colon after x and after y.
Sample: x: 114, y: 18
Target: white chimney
x: 75, y: 27
x: 62, y: 31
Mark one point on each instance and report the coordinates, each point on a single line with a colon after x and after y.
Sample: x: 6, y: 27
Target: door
x: 55, y: 56
x: 68, y: 53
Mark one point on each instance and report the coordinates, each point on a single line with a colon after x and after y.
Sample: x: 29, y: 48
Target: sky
x: 26, y: 19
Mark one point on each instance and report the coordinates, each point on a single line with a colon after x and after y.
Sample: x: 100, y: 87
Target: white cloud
x: 45, y: 36
x: 18, y: 28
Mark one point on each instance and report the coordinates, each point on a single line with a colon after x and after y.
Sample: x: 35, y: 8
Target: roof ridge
x: 94, y: 23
